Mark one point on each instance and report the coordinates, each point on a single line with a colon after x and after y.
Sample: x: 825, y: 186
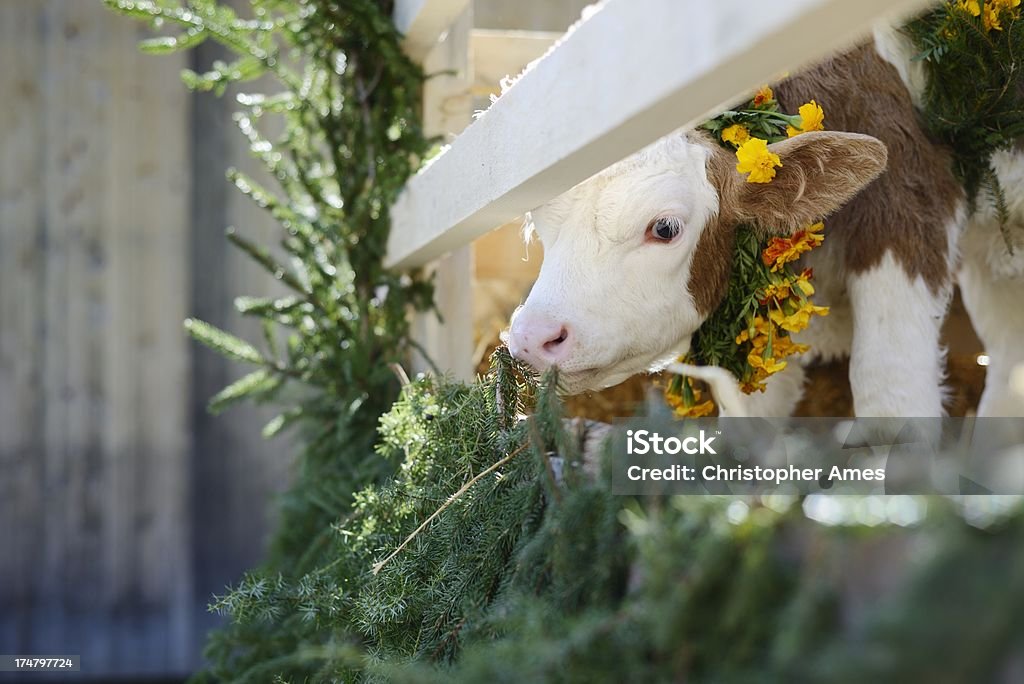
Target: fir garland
x: 974, y: 97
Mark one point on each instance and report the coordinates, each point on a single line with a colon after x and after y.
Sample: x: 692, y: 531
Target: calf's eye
x: 663, y: 229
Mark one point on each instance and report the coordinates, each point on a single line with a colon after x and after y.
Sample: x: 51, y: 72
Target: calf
x: 638, y: 256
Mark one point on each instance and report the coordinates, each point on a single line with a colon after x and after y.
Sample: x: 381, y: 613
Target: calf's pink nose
x: 540, y: 342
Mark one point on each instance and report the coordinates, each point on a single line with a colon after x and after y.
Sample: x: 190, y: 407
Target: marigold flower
x: 763, y: 96
x: 705, y: 408
x: 692, y: 407
x: 776, y: 291
x: 754, y: 384
x: 972, y: 7
x: 755, y: 158
x: 758, y: 330
x: 812, y: 118
x: 803, y: 282
x: 990, y: 18
x: 794, y: 322
x: 799, y: 319
x: 810, y: 235
x: 769, y: 365
x: 782, y: 250
x: 785, y: 346
x: 737, y: 134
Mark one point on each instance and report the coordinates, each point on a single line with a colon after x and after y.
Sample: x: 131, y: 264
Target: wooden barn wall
x: 123, y: 506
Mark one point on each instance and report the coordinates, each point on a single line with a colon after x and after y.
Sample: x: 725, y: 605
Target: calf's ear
x: 821, y: 171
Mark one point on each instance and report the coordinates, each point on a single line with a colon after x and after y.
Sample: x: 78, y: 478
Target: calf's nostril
x: 552, y: 344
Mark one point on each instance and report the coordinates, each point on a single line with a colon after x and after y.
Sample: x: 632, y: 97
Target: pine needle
x: 452, y: 499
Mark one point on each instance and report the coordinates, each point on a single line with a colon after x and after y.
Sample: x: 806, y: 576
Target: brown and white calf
x: 614, y: 299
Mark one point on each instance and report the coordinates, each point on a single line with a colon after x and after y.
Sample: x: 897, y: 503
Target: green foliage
x: 522, y: 577
x: 974, y: 99
x: 714, y: 343
x: 346, y: 100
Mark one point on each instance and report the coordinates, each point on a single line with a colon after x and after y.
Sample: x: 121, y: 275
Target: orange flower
x: 782, y: 250
x: 763, y: 96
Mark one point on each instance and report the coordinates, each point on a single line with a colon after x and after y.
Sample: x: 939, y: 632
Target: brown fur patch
x: 712, y: 259
x: 906, y: 210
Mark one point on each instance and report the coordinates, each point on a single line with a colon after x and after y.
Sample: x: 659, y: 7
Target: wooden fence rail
x: 632, y: 72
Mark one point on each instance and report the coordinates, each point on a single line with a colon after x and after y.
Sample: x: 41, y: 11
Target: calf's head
x: 636, y: 257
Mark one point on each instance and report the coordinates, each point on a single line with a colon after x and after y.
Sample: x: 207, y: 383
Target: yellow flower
x: 812, y: 118
x: 990, y: 19
x: 803, y: 282
x: 799, y: 319
x: 777, y: 291
x: 753, y: 385
x: 759, y: 328
x: 696, y: 411
x: 785, y: 346
x: 794, y: 322
x: 737, y: 134
x: 769, y: 365
x: 763, y: 96
x: 755, y: 158
x: 972, y: 7
x: 994, y: 8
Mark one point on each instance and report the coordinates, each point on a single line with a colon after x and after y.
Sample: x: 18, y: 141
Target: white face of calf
x: 636, y: 257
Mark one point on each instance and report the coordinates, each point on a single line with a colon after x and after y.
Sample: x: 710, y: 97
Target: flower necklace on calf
x: 767, y: 299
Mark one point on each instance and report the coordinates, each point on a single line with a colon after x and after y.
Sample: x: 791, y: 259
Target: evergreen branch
x: 223, y: 342
x: 258, y: 384
x: 452, y: 499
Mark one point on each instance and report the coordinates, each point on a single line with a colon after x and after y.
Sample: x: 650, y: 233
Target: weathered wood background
x: 123, y: 505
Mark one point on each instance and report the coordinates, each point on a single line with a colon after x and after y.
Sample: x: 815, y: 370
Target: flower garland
x: 767, y: 299
x: 992, y: 12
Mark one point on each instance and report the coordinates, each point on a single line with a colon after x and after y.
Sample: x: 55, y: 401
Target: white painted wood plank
x: 633, y: 72
x: 424, y: 22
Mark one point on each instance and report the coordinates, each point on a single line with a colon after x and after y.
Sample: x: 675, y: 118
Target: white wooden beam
x: 633, y: 72
x: 424, y: 22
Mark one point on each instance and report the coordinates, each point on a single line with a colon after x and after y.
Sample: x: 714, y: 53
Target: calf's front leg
x: 896, y: 357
